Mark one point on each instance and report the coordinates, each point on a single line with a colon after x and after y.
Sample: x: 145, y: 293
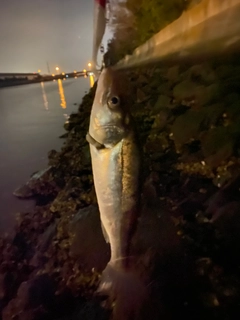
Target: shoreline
x: 196, y: 183
x: 15, y: 84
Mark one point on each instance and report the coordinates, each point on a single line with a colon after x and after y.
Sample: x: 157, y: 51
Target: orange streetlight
x: 57, y: 68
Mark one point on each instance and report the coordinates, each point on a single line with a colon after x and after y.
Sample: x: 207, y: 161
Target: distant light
x: 66, y: 75
x: 57, y: 68
x: 84, y: 70
x: 39, y: 70
x: 75, y: 77
x: 75, y: 71
x: 53, y: 74
x: 63, y: 73
x: 89, y: 64
x: 64, y: 78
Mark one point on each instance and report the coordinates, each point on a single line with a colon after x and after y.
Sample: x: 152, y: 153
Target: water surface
x: 31, y: 121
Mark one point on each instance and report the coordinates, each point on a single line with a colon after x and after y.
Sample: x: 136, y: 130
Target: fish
x: 116, y: 165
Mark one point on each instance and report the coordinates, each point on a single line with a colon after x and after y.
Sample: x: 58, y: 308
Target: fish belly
x: 116, y: 175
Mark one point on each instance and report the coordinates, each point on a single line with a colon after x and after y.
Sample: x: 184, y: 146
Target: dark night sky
x: 35, y: 31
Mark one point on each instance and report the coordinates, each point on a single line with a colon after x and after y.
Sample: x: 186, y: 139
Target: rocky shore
x: 188, y: 119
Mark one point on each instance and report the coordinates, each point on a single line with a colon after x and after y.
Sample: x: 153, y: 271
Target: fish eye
x: 113, y: 102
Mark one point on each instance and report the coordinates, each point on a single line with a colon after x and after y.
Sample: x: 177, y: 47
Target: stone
x: 227, y: 222
x: 2, y: 285
x: 188, y: 90
x: 227, y: 70
x: 187, y: 126
x: 163, y: 102
x: 161, y: 119
x: 173, y: 74
x: 202, y: 73
x: 217, y: 145
x: 213, y: 113
x: 23, y: 192
x: 184, y: 90
x: 141, y: 96
x: 31, y: 294
x: 64, y: 135
x: 142, y: 80
x: 88, y: 243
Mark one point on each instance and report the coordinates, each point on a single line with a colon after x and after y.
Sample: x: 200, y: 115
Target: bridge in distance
x: 11, y: 79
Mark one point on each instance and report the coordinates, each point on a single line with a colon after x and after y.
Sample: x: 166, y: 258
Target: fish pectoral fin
x: 94, y: 142
x: 105, y: 233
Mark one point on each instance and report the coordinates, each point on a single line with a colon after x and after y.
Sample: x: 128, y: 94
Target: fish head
x: 109, y: 120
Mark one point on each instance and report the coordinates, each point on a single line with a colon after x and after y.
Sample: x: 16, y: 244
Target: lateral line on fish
x: 94, y: 142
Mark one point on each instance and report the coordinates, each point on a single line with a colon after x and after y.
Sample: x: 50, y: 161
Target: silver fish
x: 116, y: 170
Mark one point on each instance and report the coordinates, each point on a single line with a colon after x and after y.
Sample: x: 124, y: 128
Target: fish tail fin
x: 126, y: 292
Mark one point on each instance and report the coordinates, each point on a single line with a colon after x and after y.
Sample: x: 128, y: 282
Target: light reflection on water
x: 63, y: 103
x: 32, y: 118
x: 45, y: 101
x: 91, y: 80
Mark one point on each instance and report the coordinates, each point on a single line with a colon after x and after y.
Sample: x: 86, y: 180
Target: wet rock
x: 226, y: 215
x: 213, y: 113
x: 156, y: 143
x: 43, y: 183
x: 227, y: 70
x: 217, y: 145
x: 161, y: 119
x: 184, y: 90
x: 41, y: 174
x: 163, y: 89
x: 202, y: 73
x: 64, y: 136
x: 173, y: 74
x: 188, y: 90
x: 142, y: 79
x: 31, y: 294
x: 163, y: 102
x: 47, y: 237
x: 187, y: 126
x: 73, y: 120
x: 53, y: 157
x: 141, y: 96
x: 88, y: 243
x: 44, y: 242
x: 2, y: 285
x: 64, y: 203
x: 232, y: 98
x: 23, y: 192
x: 90, y: 310
x: 68, y: 126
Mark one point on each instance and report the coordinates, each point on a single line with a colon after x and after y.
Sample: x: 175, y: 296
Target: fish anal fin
x: 105, y: 233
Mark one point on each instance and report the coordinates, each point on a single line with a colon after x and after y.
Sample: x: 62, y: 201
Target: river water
x: 31, y: 121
